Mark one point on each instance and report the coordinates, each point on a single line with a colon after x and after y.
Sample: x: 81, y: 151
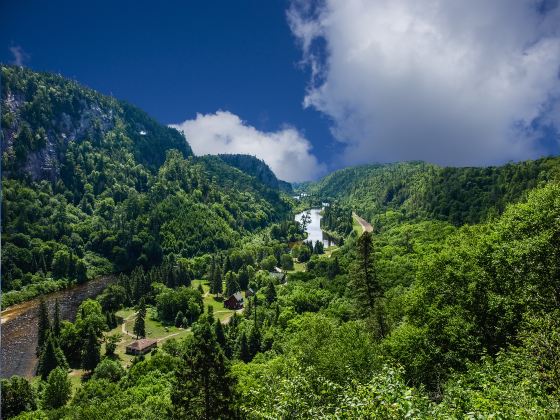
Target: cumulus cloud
x: 451, y: 82
x: 20, y: 56
x: 286, y: 151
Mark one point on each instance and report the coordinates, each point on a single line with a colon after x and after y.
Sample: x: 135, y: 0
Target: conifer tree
x: 51, y: 357
x: 243, y: 348
x: 270, y: 292
x: 204, y: 385
x: 254, y: 341
x: 232, y: 285
x: 179, y: 319
x: 140, y: 321
x: 44, y: 326
x: 91, y: 350
x: 56, y: 320
x: 220, y: 335
x: 366, y: 284
x: 218, y: 286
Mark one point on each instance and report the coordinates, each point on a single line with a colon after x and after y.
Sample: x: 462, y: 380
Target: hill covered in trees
x: 448, y: 309
x: 427, y: 191
x: 92, y: 185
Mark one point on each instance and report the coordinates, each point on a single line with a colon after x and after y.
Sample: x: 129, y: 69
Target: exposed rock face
x: 42, y: 113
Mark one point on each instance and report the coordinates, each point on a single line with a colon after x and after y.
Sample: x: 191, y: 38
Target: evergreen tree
x: 91, y: 350
x: 44, y: 326
x: 254, y: 341
x: 204, y: 385
x: 212, y: 276
x: 51, y: 357
x: 366, y: 284
x: 179, y: 319
x: 218, y: 286
x: 140, y: 321
x: 319, y: 248
x: 220, y: 335
x: 243, y: 348
x: 270, y: 292
x: 56, y: 319
x: 58, y: 389
x: 81, y: 272
x: 232, y: 285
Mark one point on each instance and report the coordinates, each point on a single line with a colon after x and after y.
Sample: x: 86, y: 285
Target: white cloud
x: 451, y: 82
x: 20, y: 56
x: 286, y: 151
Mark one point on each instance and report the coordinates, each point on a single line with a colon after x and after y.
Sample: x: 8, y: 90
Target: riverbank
x: 19, y: 325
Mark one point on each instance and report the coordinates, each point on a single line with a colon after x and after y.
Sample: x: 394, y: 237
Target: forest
x: 448, y: 309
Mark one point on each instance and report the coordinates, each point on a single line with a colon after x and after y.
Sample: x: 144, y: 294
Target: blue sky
x: 339, y: 82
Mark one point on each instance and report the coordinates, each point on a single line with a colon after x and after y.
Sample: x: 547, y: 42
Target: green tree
x: 56, y: 320
x: 111, y: 342
x: 51, y: 357
x: 179, y: 319
x: 140, y: 321
x: 110, y: 370
x: 232, y: 285
x: 17, y: 396
x: 204, y: 386
x: 287, y: 262
x: 44, y: 325
x: 270, y: 292
x: 81, y: 272
x: 58, y: 389
x: 91, y: 350
x: 243, y: 352
x: 365, y: 282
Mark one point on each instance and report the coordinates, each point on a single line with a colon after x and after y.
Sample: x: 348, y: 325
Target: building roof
x: 142, y: 344
x: 237, y: 296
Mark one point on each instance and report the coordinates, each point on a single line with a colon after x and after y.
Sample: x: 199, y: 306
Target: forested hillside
x: 258, y: 168
x: 422, y: 190
x: 92, y: 185
x: 438, y: 313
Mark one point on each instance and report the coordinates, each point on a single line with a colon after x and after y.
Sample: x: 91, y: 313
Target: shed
x: 142, y: 346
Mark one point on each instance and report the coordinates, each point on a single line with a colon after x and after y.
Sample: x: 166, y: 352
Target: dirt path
x: 128, y: 318
x: 366, y: 226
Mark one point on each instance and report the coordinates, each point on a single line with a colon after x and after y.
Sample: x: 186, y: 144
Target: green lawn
x: 223, y: 314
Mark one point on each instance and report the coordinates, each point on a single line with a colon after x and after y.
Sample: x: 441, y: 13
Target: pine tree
x: 44, y: 326
x: 204, y: 386
x: 218, y: 286
x: 51, y: 357
x: 270, y: 292
x: 140, y: 321
x: 212, y: 276
x: 179, y: 319
x: 91, y: 351
x: 254, y: 341
x: 243, y: 348
x: 220, y: 335
x: 56, y: 319
x: 365, y: 281
x: 232, y: 285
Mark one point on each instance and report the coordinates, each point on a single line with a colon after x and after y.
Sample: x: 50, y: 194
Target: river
x: 19, y: 325
x: 313, y: 229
